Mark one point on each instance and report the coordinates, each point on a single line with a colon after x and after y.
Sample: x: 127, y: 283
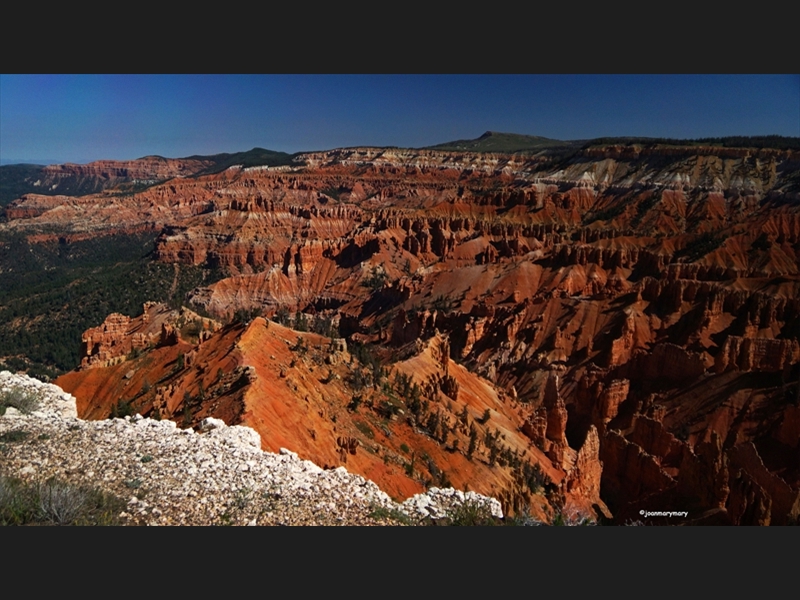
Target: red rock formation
x: 757, y: 354
x: 608, y: 402
x: 643, y: 311
x: 147, y: 168
x: 703, y: 478
x: 119, y: 335
x: 582, y: 483
x: 110, y: 341
x: 784, y: 501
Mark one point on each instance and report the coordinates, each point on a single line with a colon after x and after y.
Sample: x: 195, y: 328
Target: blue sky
x: 82, y: 118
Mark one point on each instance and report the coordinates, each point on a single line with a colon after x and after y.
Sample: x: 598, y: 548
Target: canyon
x: 602, y: 332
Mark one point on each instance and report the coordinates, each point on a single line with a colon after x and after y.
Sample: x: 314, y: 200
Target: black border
x: 533, y: 560
x: 621, y: 37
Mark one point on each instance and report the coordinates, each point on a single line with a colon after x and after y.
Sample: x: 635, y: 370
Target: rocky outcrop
x: 667, y: 362
x: 757, y: 354
x: 121, y: 178
x: 778, y: 500
x: 108, y: 342
x: 119, y: 335
x: 583, y: 481
x: 30, y: 206
x: 703, y: 478
x: 608, y: 402
x: 147, y: 168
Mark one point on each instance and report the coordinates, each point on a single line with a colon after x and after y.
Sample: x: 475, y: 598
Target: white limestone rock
x: 210, y: 423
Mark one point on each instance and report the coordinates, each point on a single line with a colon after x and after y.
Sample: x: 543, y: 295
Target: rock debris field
x: 216, y: 476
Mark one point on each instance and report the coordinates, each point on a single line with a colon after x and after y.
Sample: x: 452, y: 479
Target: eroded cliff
x: 617, y: 330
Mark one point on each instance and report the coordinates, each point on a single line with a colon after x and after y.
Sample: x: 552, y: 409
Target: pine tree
x: 464, y: 416
x: 301, y: 322
x: 473, y: 442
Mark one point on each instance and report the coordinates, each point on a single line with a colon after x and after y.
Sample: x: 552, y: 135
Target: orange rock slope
x: 305, y: 391
x: 613, y: 332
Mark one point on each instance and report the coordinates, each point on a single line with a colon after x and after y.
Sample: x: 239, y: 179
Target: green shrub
x: 25, y: 401
x: 282, y: 316
x: 245, y: 315
x: 15, y: 435
x: 324, y: 326
x: 365, y: 429
x: 301, y: 322
x: 17, y: 502
x: 473, y: 442
x: 409, y: 466
x: 301, y: 347
x: 471, y: 513
x: 441, y: 302
x: 355, y: 402
x: 607, y: 213
x: 122, y: 409
x: 382, y: 513
x: 61, y: 503
x: 56, y: 503
x: 376, y: 280
x: 332, y: 191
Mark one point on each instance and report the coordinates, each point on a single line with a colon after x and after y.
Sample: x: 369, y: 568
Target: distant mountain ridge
x: 126, y: 175
x: 251, y: 158
x: 135, y: 175
x: 493, y: 141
